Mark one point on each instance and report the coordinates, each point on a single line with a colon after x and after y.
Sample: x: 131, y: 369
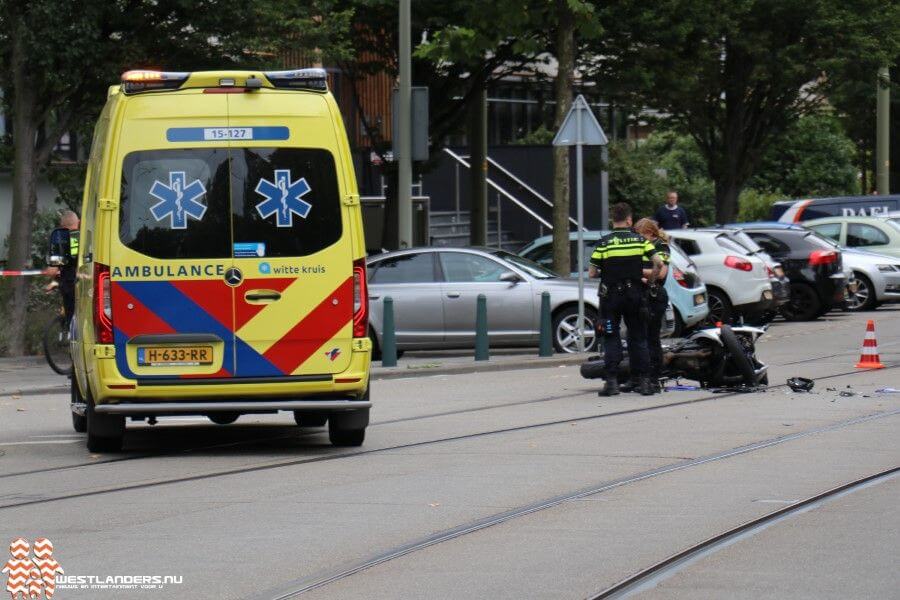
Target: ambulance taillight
x: 102, y: 305
x: 360, y: 300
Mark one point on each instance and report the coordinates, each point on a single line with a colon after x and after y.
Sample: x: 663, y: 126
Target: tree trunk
x: 24, y: 195
x: 565, y: 55
x: 863, y: 170
x: 727, y: 192
x: 477, y: 134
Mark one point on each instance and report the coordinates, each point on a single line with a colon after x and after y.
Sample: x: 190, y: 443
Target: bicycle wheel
x: 56, y: 346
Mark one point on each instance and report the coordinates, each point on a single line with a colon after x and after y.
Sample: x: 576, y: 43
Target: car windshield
x: 816, y: 239
x: 532, y: 268
x: 827, y: 240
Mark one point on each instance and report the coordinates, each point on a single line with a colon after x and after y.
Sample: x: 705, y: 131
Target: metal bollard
x: 546, y: 343
x: 389, y: 335
x: 481, y: 329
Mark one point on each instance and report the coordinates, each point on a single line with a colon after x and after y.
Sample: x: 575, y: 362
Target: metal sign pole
x: 579, y: 186
x: 580, y: 128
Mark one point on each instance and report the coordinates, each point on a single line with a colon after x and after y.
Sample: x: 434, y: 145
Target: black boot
x: 645, y: 387
x: 629, y: 386
x: 611, y: 389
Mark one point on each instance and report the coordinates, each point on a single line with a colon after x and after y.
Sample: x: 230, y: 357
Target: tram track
x: 301, y: 586
x: 287, y: 436
x: 348, y: 455
x: 295, y: 434
x: 649, y: 577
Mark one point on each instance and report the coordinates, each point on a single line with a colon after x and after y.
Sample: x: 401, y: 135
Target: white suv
x: 737, y: 284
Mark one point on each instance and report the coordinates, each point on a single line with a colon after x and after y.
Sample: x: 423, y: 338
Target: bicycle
x: 56, y: 345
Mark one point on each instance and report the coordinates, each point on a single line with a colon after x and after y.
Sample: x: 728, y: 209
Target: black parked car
x: 812, y: 265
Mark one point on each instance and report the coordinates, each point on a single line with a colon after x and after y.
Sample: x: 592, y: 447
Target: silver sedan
x: 435, y: 290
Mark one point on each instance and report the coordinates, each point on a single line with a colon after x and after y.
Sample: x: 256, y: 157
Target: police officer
x: 617, y: 260
x: 65, y: 275
x: 657, y: 298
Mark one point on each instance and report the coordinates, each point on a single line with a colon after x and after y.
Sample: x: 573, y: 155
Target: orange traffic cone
x: 869, y: 357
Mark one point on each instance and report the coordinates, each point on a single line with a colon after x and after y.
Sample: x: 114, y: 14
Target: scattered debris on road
x: 801, y: 384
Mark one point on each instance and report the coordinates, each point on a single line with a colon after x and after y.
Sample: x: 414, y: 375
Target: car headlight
x: 887, y: 268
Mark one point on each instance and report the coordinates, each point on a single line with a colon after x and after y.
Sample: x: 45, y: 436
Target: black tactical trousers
x: 657, y: 307
x: 628, y: 303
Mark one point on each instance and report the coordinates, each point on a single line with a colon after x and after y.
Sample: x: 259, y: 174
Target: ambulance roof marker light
x: 140, y: 80
x: 307, y: 79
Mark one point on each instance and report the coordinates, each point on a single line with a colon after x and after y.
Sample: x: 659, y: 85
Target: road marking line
x: 40, y: 442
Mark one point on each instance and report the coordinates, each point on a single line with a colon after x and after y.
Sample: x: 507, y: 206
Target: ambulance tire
x: 223, y: 418
x: 105, y: 433
x: 79, y: 422
x: 306, y: 419
x: 346, y: 437
x: 348, y: 428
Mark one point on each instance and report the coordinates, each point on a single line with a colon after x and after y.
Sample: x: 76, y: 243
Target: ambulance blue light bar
x: 306, y: 79
x: 143, y: 81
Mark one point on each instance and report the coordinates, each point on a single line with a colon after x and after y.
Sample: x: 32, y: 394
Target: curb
x: 383, y: 373
x: 50, y: 389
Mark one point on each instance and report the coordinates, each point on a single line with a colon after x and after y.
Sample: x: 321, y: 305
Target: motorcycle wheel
x: 736, y: 351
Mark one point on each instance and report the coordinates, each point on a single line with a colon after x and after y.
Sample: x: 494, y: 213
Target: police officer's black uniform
x: 619, y: 256
x: 658, y: 301
x: 67, y: 276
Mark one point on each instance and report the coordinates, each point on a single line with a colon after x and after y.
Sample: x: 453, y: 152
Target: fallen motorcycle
x: 716, y: 357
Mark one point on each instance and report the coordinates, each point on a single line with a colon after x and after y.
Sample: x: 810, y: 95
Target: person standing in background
x: 670, y: 215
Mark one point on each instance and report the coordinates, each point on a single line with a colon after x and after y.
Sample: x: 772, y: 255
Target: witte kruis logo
x: 31, y: 578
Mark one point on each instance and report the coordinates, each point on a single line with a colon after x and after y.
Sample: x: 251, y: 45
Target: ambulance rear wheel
x: 305, y: 419
x: 105, y: 433
x: 346, y: 437
x: 348, y: 428
x: 223, y: 418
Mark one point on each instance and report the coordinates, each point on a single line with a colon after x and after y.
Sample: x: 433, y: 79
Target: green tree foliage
x: 756, y: 205
x: 813, y: 158
x: 58, y: 58
x: 735, y: 75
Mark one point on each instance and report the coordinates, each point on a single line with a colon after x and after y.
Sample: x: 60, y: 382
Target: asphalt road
x: 509, y: 484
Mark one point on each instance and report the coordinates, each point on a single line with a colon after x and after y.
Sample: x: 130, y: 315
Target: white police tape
x: 25, y: 273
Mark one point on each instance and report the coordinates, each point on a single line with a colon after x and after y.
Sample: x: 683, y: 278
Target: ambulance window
x: 285, y: 198
x: 175, y: 204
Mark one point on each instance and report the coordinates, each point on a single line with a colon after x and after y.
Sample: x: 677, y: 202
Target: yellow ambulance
x: 222, y: 261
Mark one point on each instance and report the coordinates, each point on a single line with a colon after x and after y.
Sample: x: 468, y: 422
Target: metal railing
x: 459, y: 159
x: 527, y: 187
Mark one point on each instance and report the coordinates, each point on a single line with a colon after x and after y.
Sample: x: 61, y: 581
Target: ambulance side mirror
x: 60, y: 248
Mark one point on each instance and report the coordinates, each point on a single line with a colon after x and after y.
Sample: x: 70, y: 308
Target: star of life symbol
x: 283, y: 198
x: 178, y: 200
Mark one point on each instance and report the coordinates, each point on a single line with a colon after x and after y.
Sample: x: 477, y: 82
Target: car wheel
x: 864, y: 296
x: 79, y: 422
x: 223, y: 418
x: 305, y: 419
x: 720, y: 309
x: 104, y: 432
x: 804, y: 304
x: 565, y: 329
